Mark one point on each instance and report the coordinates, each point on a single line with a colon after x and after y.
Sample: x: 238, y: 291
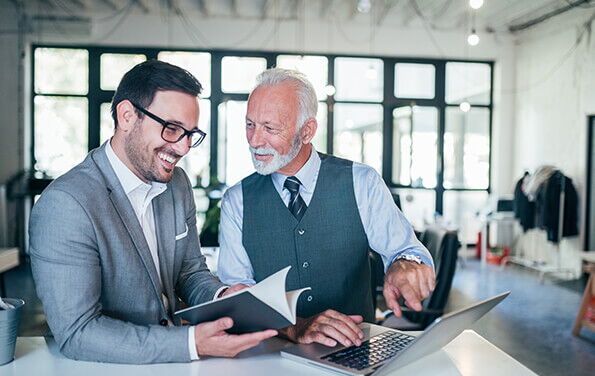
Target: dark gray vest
x: 327, y: 249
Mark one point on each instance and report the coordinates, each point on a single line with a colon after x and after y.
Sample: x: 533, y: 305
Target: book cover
x: 263, y: 306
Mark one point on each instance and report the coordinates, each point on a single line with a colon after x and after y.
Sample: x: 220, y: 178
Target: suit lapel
x: 163, y: 208
x: 125, y: 211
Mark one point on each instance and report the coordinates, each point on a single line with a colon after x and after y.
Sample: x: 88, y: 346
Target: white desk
x: 468, y: 354
x: 9, y: 258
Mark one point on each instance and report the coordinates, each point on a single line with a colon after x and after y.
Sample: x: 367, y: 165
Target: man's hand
x: 211, y: 339
x: 232, y: 289
x: 327, y: 328
x: 408, y: 279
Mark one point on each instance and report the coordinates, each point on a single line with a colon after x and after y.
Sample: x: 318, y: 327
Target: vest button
x: 163, y: 322
x: 301, y: 231
x: 309, y: 298
x: 305, y: 264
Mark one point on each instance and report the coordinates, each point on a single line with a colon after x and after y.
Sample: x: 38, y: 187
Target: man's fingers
x: 209, y: 329
x: 319, y: 337
x: 422, y: 281
x: 346, y: 326
x: 390, y: 296
x: 243, y: 342
x: 351, y: 331
x: 412, y: 299
x: 431, y: 280
x: 337, y: 332
x: 357, y: 318
x: 254, y: 338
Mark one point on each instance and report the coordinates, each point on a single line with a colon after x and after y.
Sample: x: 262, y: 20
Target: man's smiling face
x: 152, y: 158
x: 271, y: 128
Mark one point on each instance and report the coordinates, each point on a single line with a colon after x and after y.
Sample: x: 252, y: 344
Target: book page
x: 292, y: 298
x: 271, y: 291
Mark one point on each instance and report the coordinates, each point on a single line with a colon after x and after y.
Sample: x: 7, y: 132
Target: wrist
x: 196, y: 341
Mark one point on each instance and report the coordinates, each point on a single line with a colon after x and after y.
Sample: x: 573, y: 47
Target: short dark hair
x: 140, y: 84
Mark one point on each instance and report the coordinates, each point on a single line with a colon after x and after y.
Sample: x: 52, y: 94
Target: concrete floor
x: 532, y: 325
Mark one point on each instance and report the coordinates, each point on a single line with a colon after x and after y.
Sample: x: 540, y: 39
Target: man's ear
x: 308, y: 130
x: 126, y: 115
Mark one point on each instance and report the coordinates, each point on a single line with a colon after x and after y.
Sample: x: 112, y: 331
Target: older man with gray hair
x: 318, y: 213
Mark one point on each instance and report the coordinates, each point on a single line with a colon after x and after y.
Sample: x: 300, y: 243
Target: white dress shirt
x: 388, y: 231
x: 141, y: 196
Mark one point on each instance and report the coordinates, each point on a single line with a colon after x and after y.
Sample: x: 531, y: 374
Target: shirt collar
x: 307, y: 175
x: 127, y: 178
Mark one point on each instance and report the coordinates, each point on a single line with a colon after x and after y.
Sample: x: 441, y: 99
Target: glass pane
x: 468, y: 82
x: 319, y: 140
x: 106, y: 128
x: 414, y: 80
x: 235, y: 161
x: 415, y: 131
x: 358, y: 133
x: 60, y: 133
x: 467, y: 148
x: 418, y: 205
x: 238, y: 74
x: 61, y: 71
x: 460, y: 210
x: 197, y: 63
x: 359, y: 79
x: 196, y: 162
x: 314, y: 67
x: 114, y: 66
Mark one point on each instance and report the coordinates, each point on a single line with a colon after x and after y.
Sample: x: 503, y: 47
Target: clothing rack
x: 557, y: 269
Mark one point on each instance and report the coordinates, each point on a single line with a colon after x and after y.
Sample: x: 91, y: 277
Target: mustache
x: 254, y: 150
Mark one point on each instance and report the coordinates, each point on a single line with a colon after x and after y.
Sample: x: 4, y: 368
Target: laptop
x: 384, y: 350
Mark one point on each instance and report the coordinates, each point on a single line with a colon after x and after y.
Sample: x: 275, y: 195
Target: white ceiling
x: 495, y: 15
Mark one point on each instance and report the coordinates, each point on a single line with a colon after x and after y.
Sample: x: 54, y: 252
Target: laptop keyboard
x: 371, y: 352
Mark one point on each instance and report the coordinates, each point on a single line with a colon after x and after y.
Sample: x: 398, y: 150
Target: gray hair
x: 306, y: 95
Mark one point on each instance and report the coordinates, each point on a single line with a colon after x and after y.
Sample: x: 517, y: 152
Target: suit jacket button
x: 163, y: 322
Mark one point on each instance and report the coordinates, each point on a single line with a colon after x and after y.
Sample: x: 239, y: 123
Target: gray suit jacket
x: 94, y: 273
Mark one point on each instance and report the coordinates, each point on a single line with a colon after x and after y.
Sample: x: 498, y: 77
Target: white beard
x: 278, y: 161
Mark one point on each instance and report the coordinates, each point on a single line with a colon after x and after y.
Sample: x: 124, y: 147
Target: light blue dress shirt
x: 388, y: 231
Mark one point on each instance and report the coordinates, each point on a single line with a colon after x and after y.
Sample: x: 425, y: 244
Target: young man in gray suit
x: 114, y: 244
x: 318, y: 213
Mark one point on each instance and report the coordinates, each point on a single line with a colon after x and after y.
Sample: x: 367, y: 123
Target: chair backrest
x: 444, y: 246
x: 431, y: 238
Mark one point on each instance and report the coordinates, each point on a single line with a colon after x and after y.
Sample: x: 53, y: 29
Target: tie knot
x: 292, y: 184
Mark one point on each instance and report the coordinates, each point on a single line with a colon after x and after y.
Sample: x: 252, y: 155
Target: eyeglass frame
x: 168, y: 124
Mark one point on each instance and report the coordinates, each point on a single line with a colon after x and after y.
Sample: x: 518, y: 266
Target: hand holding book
x: 265, y: 305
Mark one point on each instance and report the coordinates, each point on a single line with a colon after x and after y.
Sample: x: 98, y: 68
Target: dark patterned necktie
x: 296, y: 206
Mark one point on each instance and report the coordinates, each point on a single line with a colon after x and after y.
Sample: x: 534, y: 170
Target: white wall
x: 11, y: 138
x: 554, y: 94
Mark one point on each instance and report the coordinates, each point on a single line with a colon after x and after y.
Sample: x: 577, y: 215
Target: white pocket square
x: 184, y: 234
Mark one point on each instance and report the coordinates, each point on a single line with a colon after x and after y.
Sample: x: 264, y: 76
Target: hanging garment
x: 535, y: 181
x: 524, y: 209
x: 549, y: 207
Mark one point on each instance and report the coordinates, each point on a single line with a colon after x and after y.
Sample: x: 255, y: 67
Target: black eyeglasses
x: 173, y: 132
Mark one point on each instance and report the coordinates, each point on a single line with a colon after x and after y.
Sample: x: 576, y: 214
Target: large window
x: 402, y: 116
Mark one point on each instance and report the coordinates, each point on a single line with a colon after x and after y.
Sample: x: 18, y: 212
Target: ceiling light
x: 473, y: 38
x: 371, y: 73
x: 465, y: 106
x: 329, y: 90
x: 475, y: 4
x: 364, y: 6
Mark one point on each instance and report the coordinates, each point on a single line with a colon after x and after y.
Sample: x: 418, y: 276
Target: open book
x: 263, y: 306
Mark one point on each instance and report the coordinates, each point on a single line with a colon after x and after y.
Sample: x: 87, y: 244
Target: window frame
x: 96, y: 96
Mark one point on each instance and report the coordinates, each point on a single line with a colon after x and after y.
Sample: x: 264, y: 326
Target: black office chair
x: 443, y: 245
